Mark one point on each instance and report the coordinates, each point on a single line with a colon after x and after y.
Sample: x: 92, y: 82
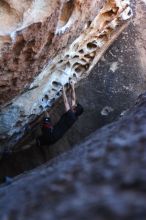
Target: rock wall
x: 102, y: 178
x: 45, y: 45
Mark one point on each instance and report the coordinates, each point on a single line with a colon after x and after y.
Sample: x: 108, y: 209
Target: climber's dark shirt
x: 51, y: 134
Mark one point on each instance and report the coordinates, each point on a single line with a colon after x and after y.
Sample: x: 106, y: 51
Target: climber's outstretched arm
x: 73, y: 94
x: 66, y: 103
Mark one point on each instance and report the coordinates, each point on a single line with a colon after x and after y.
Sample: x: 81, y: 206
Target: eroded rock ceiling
x: 45, y: 43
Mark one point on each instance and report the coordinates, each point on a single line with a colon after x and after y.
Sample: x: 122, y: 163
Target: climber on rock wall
x: 50, y: 133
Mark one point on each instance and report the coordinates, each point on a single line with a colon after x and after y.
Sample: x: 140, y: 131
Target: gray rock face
x: 102, y: 178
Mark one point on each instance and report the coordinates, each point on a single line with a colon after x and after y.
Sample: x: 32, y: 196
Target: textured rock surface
x: 103, y: 178
x: 115, y: 82
x: 59, y: 40
x: 35, y: 37
x: 40, y: 29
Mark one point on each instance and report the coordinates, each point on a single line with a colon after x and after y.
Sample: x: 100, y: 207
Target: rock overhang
x: 73, y: 53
